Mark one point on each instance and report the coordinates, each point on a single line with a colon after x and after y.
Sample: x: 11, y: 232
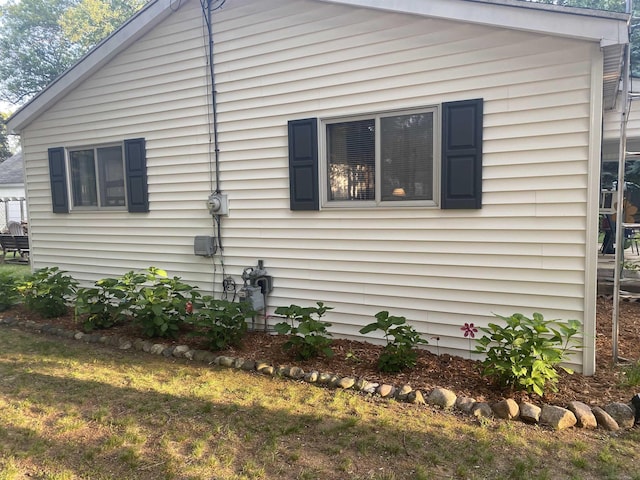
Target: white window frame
x: 378, y: 202
x: 70, y: 193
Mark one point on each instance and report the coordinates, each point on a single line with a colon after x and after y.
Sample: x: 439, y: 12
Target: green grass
x: 631, y: 375
x: 18, y: 271
x: 70, y: 410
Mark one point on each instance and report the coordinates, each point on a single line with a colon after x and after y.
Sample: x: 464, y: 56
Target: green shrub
x: 161, y: 307
x: 310, y: 336
x: 47, y: 291
x: 399, y: 353
x: 221, y: 322
x: 523, y: 353
x: 104, y: 305
x: 8, y: 290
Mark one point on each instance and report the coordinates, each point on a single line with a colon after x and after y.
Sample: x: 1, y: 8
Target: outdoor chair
x: 22, y: 243
x: 607, y: 225
x: 15, y: 229
x: 8, y: 243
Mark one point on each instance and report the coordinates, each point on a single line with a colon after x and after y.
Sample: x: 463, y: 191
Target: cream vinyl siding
x: 524, y: 251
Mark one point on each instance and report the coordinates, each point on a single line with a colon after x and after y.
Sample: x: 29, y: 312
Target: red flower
x: 189, y: 307
x: 469, y: 330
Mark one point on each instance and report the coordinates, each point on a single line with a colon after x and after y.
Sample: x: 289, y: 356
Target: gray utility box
x: 204, y: 245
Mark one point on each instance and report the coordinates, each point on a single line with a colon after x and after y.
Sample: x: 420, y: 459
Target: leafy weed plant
x: 222, y: 322
x: 47, y: 291
x: 104, y: 305
x: 310, y: 337
x: 399, y: 353
x: 161, y: 306
x: 8, y: 290
x: 524, y: 353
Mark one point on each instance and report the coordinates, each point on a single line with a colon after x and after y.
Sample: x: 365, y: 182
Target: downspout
x: 622, y: 155
x: 591, y: 239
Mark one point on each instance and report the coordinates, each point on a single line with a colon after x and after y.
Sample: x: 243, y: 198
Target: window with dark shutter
x: 461, y: 185
x: 97, y: 177
x: 382, y: 159
x: 136, y: 173
x: 58, y: 177
x: 303, y: 165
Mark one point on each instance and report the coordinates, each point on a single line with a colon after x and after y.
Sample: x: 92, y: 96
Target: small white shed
x: 438, y: 159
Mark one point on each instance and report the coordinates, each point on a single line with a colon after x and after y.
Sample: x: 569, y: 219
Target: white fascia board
x: 607, y: 28
x: 139, y: 24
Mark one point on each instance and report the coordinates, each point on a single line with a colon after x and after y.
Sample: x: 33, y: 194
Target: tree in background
x: 90, y: 21
x: 40, y: 39
x: 5, y: 152
x: 33, y: 50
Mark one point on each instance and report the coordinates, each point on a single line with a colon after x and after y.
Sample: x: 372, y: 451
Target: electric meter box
x: 204, y: 246
x: 218, y: 204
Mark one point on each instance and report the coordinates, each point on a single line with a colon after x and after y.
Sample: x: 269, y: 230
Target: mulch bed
x: 462, y: 375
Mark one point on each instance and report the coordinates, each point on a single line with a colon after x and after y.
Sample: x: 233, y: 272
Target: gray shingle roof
x: 11, y: 170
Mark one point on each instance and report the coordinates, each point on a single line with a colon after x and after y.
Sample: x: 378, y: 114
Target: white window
x: 382, y: 159
x: 97, y: 177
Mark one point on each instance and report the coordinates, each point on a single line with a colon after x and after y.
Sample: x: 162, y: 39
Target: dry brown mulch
x: 462, y: 375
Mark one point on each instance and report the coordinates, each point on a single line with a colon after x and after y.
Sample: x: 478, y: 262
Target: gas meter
x: 257, y: 284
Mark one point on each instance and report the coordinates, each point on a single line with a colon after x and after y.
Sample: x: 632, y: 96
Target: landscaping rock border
x: 612, y: 417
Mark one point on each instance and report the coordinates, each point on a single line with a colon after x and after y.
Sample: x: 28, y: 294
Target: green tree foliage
x: 33, y: 51
x: 40, y: 39
x: 90, y: 21
x: 5, y: 152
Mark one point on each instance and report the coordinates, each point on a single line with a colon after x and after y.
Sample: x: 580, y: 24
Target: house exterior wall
x: 526, y: 250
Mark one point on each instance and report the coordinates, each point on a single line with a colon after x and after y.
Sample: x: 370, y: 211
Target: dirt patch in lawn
x: 462, y: 375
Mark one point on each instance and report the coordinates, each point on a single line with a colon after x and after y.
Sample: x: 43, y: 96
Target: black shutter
x: 135, y: 159
x: 58, y: 178
x: 303, y: 165
x: 462, y: 154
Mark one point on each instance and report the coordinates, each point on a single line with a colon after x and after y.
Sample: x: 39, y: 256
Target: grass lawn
x: 71, y: 410
x: 15, y: 269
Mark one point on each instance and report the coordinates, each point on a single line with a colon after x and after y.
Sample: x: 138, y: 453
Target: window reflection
x: 97, y: 177
x: 83, y: 178
x: 403, y: 152
x: 407, y: 157
x: 351, y: 154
